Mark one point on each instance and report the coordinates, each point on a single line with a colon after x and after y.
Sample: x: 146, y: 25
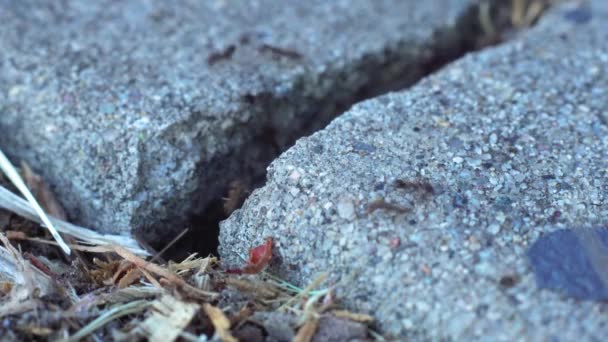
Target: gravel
x: 451, y: 182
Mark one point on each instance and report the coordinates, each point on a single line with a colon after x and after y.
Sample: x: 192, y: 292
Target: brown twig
x: 381, y: 204
x: 171, y: 243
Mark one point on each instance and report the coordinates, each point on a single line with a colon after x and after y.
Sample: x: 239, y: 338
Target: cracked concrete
x: 139, y: 113
x: 422, y: 204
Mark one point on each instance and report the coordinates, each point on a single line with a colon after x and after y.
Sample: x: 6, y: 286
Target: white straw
x: 21, y: 207
x: 14, y: 177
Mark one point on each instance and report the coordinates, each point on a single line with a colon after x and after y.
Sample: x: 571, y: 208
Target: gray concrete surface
x: 139, y: 113
x: 422, y: 204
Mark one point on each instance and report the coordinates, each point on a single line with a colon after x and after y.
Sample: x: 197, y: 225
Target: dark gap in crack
x: 470, y: 34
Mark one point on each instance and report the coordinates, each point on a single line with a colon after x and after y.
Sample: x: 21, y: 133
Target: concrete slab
x: 422, y: 204
x: 139, y: 113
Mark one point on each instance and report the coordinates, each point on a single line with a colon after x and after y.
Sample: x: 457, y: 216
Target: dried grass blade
x: 19, y: 206
x: 318, y: 281
x: 158, y: 270
x: 307, y: 331
x: 108, y: 316
x: 485, y: 19
x: 220, y: 322
x: 13, y: 176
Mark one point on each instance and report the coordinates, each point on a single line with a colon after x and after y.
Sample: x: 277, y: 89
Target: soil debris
x: 111, y: 292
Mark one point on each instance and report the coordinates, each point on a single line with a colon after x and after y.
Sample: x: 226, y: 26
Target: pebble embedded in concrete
x: 571, y: 261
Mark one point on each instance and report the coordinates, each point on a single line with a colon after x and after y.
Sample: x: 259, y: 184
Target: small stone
x: 572, y: 262
x: 459, y: 201
x: 457, y: 160
x: 474, y: 244
x: 346, y: 209
x: 363, y: 147
x: 318, y: 149
x: 394, y: 242
x: 407, y: 324
x: 106, y: 108
x: 332, y: 328
x: 485, y: 269
x: 494, y: 229
x: 278, y: 326
x: 500, y: 217
x: 295, y: 176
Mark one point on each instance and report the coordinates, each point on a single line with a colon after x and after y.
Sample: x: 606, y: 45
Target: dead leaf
x: 381, y: 204
x: 202, y: 281
x: 259, y: 257
x: 220, y: 322
x: 6, y: 287
x: 171, y: 316
x: 105, y: 271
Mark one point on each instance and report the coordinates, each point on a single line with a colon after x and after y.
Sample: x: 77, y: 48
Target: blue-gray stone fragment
x: 573, y: 262
x: 579, y: 15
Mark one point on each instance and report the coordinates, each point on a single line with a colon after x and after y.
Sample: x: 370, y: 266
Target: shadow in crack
x: 486, y: 23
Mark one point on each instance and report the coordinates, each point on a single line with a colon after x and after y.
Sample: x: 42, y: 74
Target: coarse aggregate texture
x: 424, y: 203
x: 139, y: 113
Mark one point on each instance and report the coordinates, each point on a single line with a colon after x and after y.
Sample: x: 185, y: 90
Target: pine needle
x: 12, y: 174
x: 108, y: 316
x: 318, y: 281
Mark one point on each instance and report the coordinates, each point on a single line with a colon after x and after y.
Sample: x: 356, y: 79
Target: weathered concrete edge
x: 556, y: 12
x: 310, y: 104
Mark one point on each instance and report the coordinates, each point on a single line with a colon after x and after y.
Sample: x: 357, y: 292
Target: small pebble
x: 346, y: 209
x: 572, y: 262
